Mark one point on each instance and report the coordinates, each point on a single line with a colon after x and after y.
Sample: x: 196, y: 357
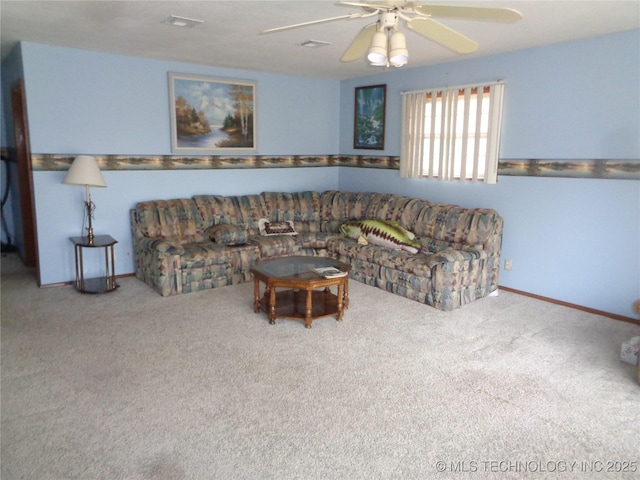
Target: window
x: 452, y: 134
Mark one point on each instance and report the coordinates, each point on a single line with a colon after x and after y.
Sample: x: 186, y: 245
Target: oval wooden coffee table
x: 304, y: 294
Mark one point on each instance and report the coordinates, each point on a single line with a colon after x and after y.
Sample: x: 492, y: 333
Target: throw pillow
x: 383, y: 234
x: 276, y: 228
x: 228, y: 234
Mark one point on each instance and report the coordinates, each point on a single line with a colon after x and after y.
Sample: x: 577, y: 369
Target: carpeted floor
x: 130, y: 385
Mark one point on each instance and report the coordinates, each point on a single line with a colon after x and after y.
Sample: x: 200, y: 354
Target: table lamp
x: 85, y: 171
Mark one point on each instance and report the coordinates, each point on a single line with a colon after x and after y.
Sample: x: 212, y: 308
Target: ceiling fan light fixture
x: 379, y: 64
x: 384, y: 45
x: 377, y: 58
x: 398, y: 55
x: 377, y: 54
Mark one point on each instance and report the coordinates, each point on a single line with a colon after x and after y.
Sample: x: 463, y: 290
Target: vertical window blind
x: 453, y: 133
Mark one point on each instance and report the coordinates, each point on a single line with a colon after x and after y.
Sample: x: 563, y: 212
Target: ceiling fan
x: 385, y: 44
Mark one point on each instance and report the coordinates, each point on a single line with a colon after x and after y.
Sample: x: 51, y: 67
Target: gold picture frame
x: 211, y: 115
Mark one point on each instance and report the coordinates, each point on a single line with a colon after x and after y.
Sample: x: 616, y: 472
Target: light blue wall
x: 574, y: 240
x: 571, y: 100
x: 94, y: 103
x: 88, y: 102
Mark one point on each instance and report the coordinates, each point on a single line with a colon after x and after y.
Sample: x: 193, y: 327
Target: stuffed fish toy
x: 384, y: 234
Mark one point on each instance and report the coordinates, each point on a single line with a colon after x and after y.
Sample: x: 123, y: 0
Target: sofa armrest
x: 451, y: 256
x: 459, y: 277
x: 161, y: 245
x: 159, y: 269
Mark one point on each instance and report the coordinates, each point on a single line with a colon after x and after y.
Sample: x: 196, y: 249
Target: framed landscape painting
x: 212, y: 114
x: 368, y: 128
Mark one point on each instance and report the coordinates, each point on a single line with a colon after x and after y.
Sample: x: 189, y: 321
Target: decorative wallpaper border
x: 175, y: 162
x: 596, y: 168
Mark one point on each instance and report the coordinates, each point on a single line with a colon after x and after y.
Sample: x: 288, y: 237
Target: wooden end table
x: 100, y: 284
x: 307, y: 295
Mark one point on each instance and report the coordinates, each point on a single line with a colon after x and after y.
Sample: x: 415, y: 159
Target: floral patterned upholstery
x: 169, y: 218
x: 208, y: 241
x: 303, y: 208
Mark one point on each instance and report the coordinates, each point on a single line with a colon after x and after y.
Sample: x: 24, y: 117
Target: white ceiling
x: 229, y: 36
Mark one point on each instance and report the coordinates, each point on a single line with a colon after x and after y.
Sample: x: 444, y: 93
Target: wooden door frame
x: 29, y: 252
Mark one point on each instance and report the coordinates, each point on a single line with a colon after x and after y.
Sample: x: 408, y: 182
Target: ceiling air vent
x: 184, y: 22
x: 314, y: 44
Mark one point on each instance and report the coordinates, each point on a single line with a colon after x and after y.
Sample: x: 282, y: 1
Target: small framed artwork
x: 212, y: 114
x: 369, y: 117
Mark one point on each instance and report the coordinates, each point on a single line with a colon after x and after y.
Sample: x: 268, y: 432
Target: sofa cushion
x: 315, y: 240
x: 169, y: 218
x: 276, y: 245
x: 455, y: 224
x: 388, y: 206
x: 218, y: 209
x: 208, y: 265
x: 353, y: 253
x: 207, y: 253
x: 252, y: 208
x: 338, y: 207
x: 302, y: 208
x: 171, y: 245
x: 228, y: 234
x: 206, y: 277
x: 244, y: 210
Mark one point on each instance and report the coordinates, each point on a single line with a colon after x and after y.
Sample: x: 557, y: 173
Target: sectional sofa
x: 207, y: 241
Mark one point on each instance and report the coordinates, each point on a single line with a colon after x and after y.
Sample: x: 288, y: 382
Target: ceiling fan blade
x: 443, y: 35
x: 504, y: 15
x: 312, y: 22
x: 365, y: 5
x: 359, y: 45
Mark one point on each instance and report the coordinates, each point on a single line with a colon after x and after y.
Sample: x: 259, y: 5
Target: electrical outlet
x: 507, y: 264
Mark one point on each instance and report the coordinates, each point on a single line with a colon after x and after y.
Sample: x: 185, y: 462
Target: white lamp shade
x: 84, y: 171
x: 398, y: 55
x: 378, y: 50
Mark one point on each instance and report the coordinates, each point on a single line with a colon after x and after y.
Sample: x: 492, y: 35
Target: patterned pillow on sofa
x: 284, y: 227
x: 228, y: 234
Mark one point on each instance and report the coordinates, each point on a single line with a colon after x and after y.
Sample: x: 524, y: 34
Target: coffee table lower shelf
x: 292, y: 304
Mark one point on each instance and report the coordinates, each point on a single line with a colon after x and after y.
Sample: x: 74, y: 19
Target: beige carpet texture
x: 131, y: 385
